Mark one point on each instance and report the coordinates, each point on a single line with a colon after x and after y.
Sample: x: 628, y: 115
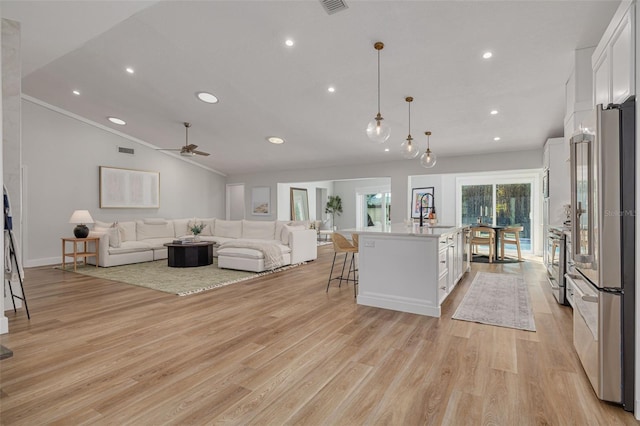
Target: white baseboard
x: 42, y: 262
x: 4, y: 327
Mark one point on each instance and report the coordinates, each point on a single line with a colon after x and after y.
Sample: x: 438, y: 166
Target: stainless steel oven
x: 555, y: 262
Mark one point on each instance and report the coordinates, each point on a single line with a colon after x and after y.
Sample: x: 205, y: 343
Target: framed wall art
x: 129, y: 189
x: 261, y: 201
x: 417, y: 197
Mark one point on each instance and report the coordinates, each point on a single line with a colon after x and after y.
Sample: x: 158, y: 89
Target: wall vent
x: 125, y: 150
x: 333, y: 6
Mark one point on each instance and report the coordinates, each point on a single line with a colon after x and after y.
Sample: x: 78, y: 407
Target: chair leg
x: 346, y: 255
x: 502, y: 249
x: 518, y: 247
x: 331, y: 273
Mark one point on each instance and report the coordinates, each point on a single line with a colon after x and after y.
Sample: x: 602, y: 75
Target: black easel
x: 13, y: 258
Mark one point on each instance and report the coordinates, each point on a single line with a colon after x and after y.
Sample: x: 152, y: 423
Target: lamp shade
x: 81, y: 216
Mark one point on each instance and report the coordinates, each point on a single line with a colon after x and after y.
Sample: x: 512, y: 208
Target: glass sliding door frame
x: 533, y: 178
x: 362, y: 208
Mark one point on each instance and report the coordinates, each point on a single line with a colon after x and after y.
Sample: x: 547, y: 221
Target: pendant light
x: 428, y: 159
x: 377, y: 130
x: 408, y: 148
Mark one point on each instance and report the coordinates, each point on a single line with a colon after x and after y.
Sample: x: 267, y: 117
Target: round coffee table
x: 190, y: 254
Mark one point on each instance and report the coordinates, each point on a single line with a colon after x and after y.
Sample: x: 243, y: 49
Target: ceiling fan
x: 188, y: 150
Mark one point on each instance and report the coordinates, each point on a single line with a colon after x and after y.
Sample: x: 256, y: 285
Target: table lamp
x: 81, y: 217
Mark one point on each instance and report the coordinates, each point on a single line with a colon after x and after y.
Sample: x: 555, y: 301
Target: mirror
x: 299, y: 204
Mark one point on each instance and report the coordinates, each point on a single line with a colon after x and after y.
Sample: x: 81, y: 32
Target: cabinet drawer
x: 443, y: 264
x: 442, y: 287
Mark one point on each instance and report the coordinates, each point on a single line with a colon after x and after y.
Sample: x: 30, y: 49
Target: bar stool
x: 511, y: 235
x: 342, y: 245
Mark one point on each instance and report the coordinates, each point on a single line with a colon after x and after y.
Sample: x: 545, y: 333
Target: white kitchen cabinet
x: 613, y: 60
x: 602, y: 86
x: 556, y: 158
x: 409, y: 269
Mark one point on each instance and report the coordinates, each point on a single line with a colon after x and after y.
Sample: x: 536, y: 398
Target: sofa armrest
x: 304, y: 245
x: 103, y: 247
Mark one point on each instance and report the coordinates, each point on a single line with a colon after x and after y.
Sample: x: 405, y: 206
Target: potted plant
x: 334, y: 206
x: 196, y: 229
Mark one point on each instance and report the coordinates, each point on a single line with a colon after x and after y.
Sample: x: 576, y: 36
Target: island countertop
x: 402, y: 230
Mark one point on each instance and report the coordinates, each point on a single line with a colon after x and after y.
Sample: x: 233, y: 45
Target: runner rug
x: 181, y: 281
x: 497, y: 299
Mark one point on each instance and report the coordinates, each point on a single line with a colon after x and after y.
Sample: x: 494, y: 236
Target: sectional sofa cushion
x: 209, y: 226
x: 128, y: 230
x: 130, y: 247
x: 146, y: 230
x: 228, y: 228
x: 258, y: 230
x: 180, y: 227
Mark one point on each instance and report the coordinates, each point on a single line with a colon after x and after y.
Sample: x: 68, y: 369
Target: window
x: 373, y: 207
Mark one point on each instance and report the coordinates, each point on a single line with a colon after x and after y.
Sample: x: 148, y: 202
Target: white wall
x: 61, y: 156
x: 397, y: 171
x: 11, y: 152
x: 347, y: 190
x: 283, y: 198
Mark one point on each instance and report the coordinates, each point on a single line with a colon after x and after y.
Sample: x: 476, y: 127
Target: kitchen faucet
x: 433, y: 207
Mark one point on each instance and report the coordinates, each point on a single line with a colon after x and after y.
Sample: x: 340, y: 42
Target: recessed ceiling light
x: 494, y: 112
x: 288, y: 42
x: 130, y: 70
x: 497, y: 138
x: 487, y: 55
x: 275, y: 140
x: 331, y: 89
x: 386, y: 150
x: 76, y: 92
x: 116, y: 120
x: 207, y: 97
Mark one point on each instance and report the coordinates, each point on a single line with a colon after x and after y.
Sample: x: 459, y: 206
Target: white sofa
x: 143, y: 241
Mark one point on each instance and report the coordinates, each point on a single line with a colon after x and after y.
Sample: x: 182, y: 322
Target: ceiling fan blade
x: 200, y: 153
x: 191, y: 147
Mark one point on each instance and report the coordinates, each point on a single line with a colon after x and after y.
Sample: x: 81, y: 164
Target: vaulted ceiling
x: 236, y: 50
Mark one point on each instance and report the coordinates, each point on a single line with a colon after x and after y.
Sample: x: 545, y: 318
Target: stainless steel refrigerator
x: 603, y: 250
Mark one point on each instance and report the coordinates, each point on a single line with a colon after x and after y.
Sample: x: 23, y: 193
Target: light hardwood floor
x: 279, y: 350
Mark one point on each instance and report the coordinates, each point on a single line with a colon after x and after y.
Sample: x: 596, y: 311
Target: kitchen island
x: 409, y: 268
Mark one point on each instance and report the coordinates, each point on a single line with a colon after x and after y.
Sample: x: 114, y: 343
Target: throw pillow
x: 115, y: 239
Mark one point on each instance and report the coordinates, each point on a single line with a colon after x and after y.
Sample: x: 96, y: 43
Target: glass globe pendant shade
x: 408, y: 149
x: 378, y: 131
x: 428, y: 159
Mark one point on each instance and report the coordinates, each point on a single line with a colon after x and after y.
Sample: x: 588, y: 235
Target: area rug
x: 483, y: 258
x: 497, y: 299
x: 181, y: 281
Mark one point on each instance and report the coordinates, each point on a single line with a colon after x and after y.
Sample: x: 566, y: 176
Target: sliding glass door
x: 503, y: 202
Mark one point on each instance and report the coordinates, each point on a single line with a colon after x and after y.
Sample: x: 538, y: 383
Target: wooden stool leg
x: 518, y: 247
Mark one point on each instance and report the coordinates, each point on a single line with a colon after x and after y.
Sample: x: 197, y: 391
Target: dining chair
x: 511, y: 235
x: 342, y: 245
x: 483, y: 236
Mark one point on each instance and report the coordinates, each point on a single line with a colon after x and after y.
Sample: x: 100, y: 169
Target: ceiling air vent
x: 125, y: 150
x: 333, y: 6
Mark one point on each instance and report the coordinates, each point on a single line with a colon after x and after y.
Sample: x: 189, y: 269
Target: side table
x: 83, y: 253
